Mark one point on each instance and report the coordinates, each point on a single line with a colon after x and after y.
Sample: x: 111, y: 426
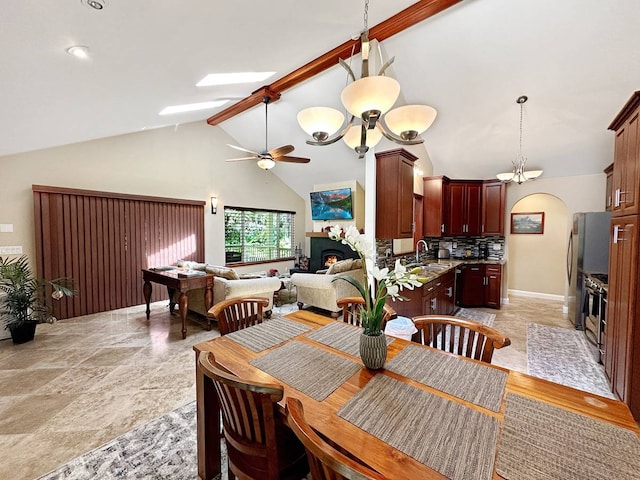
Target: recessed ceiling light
x: 95, y: 4
x: 79, y: 51
x: 233, y: 78
x: 192, y: 107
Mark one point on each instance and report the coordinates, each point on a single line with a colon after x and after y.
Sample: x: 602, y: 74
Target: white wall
x: 186, y: 161
x: 583, y: 193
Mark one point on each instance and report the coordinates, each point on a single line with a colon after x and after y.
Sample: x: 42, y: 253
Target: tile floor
x: 86, y: 380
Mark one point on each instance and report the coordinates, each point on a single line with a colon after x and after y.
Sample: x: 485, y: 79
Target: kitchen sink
x: 436, y: 266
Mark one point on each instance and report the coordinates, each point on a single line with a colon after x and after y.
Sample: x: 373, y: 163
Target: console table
x: 175, y: 283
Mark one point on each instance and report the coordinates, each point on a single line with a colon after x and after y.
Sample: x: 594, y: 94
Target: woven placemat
x: 540, y: 441
x: 341, y: 336
x: 455, y: 440
x: 268, y: 334
x: 309, y: 369
x: 476, y: 383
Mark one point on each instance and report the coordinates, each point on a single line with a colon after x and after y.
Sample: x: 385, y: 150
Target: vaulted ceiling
x: 576, y: 60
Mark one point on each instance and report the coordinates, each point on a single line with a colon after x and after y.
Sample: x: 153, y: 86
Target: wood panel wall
x: 103, y: 241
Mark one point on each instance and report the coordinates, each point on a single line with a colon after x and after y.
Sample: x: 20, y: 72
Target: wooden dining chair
x: 459, y: 335
x: 238, y: 313
x: 260, y: 445
x: 351, y: 311
x: 325, y: 462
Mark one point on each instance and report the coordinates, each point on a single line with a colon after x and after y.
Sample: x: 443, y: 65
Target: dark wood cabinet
x: 493, y: 286
x: 418, y: 217
x: 394, y: 194
x: 465, y: 200
x: 622, y: 341
x: 626, y: 161
x: 622, y: 329
x: 608, y: 199
x: 435, y: 206
x: 479, y: 285
x: 433, y: 298
x: 493, y: 198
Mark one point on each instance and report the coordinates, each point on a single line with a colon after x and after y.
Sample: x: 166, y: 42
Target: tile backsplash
x: 459, y: 247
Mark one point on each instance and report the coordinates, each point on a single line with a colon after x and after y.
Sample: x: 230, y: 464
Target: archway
x: 537, y: 262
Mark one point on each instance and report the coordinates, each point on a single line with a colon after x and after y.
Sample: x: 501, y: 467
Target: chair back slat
x: 325, y: 462
x: 237, y: 313
x: 351, y: 307
x: 251, y: 431
x: 459, y: 335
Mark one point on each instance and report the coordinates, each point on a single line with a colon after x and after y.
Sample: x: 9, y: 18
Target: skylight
x: 191, y: 107
x: 233, y: 78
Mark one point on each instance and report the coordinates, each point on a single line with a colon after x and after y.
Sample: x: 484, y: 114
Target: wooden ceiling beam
x: 408, y: 17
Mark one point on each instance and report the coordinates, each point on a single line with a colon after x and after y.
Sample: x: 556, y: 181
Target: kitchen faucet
x: 426, y: 249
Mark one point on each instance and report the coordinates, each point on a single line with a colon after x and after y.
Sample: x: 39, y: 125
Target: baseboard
x: 545, y: 296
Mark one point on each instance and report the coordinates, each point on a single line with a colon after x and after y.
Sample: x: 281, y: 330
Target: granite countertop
x: 449, y: 264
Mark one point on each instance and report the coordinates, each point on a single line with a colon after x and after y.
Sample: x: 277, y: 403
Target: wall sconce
x: 214, y: 205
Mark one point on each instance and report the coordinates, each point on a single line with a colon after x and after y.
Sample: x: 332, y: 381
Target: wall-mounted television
x: 332, y: 205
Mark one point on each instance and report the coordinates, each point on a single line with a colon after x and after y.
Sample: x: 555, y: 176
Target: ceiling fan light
x: 324, y: 120
x: 352, y: 137
x: 377, y: 93
x: 266, y: 163
x: 416, y: 118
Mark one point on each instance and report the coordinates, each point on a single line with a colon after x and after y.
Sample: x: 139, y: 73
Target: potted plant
x: 379, y: 284
x: 23, y: 303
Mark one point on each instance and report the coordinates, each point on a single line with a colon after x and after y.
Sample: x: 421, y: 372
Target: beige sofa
x: 319, y: 289
x: 227, y: 284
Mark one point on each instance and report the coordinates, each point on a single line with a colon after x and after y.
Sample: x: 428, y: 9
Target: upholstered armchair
x: 319, y: 289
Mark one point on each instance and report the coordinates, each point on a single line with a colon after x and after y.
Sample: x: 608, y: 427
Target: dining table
x: 427, y: 414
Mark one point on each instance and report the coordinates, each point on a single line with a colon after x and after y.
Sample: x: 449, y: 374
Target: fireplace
x: 325, y: 251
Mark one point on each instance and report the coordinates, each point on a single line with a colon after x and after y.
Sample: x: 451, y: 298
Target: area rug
x: 164, y: 448
x: 563, y: 356
x: 477, y: 315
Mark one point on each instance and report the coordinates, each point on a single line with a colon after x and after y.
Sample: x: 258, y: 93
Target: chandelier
x: 368, y: 100
x: 519, y: 174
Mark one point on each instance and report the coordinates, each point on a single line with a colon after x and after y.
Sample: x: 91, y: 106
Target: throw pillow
x: 340, y: 266
x: 223, y: 272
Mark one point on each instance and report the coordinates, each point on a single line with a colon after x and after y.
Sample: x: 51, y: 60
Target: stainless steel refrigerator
x: 587, y: 252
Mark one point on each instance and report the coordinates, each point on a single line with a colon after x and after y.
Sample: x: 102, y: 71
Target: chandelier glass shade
x: 353, y: 137
x: 519, y: 175
x: 369, y: 99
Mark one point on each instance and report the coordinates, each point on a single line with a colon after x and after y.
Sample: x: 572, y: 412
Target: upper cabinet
x: 434, y: 206
x: 465, y: 199
x: 626, y: 160
x: 608, y: 200
x: 394, y: 194
x: 463, y: 207
x: 493, y: 195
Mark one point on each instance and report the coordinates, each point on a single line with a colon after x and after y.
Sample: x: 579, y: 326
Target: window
x: 255, y: 236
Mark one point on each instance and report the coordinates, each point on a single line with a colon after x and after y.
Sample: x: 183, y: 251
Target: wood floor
x: 86, y: 380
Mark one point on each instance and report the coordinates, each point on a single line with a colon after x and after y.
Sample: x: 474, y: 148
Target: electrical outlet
x: 497, y: 247
x: 6, y: 227
x: 17, y: 250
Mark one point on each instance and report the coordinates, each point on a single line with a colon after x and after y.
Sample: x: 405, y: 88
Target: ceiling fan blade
x: 281, y: 151
x: 292, y: 159
x: 241, y: 158
x: 242, y: 149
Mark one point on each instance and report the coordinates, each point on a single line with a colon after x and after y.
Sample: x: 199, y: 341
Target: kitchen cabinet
x: 433, y: 298
x: 465, y: 200
x: 479, y: 285
x: 622, y: 329
x: 493, y: 198
x: 435, y: 202
x: 608, y: 199
x: 626, y: 160
x: 394, y: 194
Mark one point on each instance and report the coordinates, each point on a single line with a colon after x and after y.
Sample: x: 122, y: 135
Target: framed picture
x: 530, y: 222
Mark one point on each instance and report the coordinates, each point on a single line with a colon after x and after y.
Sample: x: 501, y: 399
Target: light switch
x: 497, y: 247
x: 6, y: 227
x: 17, y: 250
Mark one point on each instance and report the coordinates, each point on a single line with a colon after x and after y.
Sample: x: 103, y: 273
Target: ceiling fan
x: 268, y: 158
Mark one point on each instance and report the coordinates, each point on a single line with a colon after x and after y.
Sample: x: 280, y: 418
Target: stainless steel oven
x: 595, y: 309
